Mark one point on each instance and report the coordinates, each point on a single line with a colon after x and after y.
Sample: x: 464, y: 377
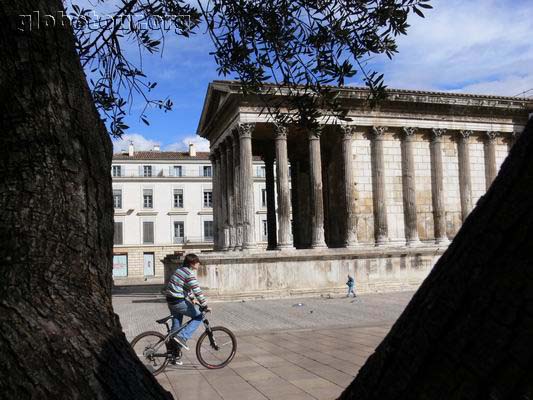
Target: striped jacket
x: 184, y: 281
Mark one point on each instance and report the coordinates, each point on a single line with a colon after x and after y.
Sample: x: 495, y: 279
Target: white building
x: 163, y: 203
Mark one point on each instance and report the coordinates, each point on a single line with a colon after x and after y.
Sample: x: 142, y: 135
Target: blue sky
x: 475, y: 46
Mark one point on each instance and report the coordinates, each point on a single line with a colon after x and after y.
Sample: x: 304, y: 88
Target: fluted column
x: 214, y: 189
x: 230, y: 202
x: 270, y: 200
x: 282, y: 179
x: 437, y: 187
x: 224, y: 197
x: 490, y: 158
x: 220, y: 216
x: 317, y: 200
x: 237, y: 193
x: 247, y: 183
x: 381, y: 228
x: 465, y: 177
x: 409, y: 188
x: 350, y: 238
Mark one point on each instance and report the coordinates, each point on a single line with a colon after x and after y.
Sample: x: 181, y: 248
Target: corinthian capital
x: 492, y: 135
x: 281, y: 131
x: 245, y: 130
x: 379, y: 131
x: 465, y: 134
x: 437, y: 133
x: 347, y: 131
x: 315, y: 132
x: 409, y: 131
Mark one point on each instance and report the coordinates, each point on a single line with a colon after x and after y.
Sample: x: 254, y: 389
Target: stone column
x: 218, y: 205
x: 247, y: 186
x: 437, y: 187
x: 465, y: 177
x: 317, y: 200
x: 284, y: 201
x: 215, y: 199
x: 350, y: 238
x: 409, y: 188
x: 237, y: 193
x: 490, y: 158
x: 224, y: 197
x: 381, y: 228
x: 230, y: 202
x: 271, y: 200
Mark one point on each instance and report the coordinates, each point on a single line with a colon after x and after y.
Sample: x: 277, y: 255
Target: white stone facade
x: 163, y: 204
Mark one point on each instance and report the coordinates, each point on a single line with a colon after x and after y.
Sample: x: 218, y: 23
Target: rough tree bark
x: 468, y: 331
x: 59, y: 336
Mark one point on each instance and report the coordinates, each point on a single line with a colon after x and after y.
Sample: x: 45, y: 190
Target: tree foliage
x: 308, y: 47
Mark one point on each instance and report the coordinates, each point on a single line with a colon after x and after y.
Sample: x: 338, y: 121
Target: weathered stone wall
x: 477, y: 167
x: 363, y: 183
x: 452, y: 197
x: 300, y: 273
x: 393, y: 187
x: 424, y: 206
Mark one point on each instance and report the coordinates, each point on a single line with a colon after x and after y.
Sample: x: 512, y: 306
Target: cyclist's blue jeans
x: 351, y: 289
x: 178, y: 310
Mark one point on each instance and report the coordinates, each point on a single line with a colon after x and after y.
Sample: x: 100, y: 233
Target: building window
x: 117, y: 237
x: 264, y: 229
x: 148, y: 198
x: 147, y: 170
x: 179, y: 232
x: 120, y: 265
x: 148, y: 232
x: 263, y: 197
x: 178, y: 198
x: 207, y: 171
x: 208, y: 199
x: 208, y: 231
x: 117, y: 170
x: 117, y: 198
x: 177, y: 170
x: 261, y: 172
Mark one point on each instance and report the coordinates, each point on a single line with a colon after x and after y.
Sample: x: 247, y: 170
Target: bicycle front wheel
x: 216, y: 347
x: 151, y: 351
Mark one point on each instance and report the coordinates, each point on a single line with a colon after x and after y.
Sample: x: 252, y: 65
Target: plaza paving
x: 288, y: 349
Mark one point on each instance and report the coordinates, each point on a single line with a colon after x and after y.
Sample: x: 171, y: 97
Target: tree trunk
x: 468, y: 331
x: 59, y: 336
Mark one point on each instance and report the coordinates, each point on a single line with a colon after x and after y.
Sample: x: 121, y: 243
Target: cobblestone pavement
x: 285, y: 351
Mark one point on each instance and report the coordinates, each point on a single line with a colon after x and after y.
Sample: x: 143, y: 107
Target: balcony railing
x: 193, y: 239
x: 166, y: 173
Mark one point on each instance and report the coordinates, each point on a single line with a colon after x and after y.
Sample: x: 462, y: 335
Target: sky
x: 474, y: 46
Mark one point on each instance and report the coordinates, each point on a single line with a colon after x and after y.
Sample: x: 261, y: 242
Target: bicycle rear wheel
x: 216, y: 348
x: 152, y: 353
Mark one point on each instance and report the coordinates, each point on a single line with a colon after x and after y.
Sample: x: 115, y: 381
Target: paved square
x: 287, y: 349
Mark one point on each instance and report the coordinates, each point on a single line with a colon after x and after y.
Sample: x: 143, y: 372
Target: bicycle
x: 218, y: 351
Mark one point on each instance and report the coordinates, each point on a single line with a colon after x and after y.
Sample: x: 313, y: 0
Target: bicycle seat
x: 163, y: 320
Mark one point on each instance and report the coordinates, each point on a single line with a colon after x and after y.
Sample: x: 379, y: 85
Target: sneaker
x: 182, y: 342
x: 176, y: 362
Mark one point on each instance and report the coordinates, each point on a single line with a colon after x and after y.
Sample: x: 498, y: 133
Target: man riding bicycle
x: 181, y: 283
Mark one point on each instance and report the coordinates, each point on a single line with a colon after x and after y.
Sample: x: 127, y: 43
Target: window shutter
x: 117, y: 238
x: 148, y: 232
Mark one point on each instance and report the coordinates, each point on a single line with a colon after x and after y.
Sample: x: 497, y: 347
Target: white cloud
x: 139, y: 142
x: 478, y: 46
x: 200, y: 144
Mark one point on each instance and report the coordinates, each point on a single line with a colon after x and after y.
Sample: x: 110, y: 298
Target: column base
x: 382, y: 242
x: 319, y: 246
x: 352, y: 245
x: 413, y: 243
x: 249, y: 246
x: 285, y: 246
